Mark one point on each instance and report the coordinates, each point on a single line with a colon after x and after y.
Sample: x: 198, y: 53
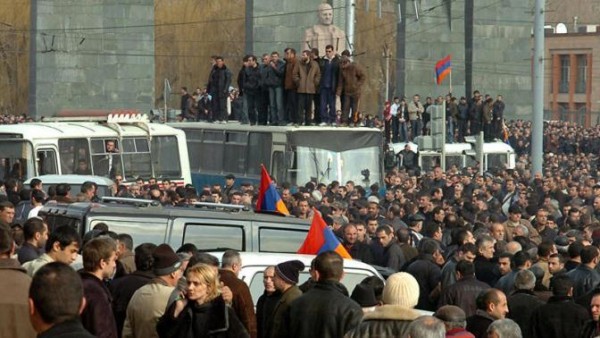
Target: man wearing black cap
x: 285, y: 280
x: 150, y: 301
x: 227, y: 189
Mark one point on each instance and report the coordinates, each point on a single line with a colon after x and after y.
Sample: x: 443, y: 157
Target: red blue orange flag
x: 321, y: 238
x: 442, y: 69
x: 268, y: 197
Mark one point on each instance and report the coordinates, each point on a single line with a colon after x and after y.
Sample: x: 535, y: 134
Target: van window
x: 280, y: 240
x: 141, y: 230
x: 215, y: 237
x: 497, y: 161
x: 136, y: 158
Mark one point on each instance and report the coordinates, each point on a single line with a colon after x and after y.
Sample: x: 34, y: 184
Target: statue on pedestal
x: 325, y: 33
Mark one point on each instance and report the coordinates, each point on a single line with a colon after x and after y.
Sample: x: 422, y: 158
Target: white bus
x: 495, y: 155
x: 83, y: 145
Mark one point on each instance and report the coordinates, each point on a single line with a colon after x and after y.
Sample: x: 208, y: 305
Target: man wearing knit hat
x: 285, y: 280
x: 400, y: 296
x: 150, y: 301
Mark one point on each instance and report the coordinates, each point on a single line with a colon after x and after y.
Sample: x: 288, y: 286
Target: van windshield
x: 16, y: 160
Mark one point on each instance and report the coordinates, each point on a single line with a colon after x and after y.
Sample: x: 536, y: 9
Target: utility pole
x: 387, y: 56
x: 537, y: 135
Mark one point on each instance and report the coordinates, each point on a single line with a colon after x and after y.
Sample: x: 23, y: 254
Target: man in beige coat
x: 14, y: 310
x: 307, y: 75
x: 149, y: 302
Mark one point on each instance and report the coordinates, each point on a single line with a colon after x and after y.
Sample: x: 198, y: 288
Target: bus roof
x: 246, y: 127
x: 52, y: 130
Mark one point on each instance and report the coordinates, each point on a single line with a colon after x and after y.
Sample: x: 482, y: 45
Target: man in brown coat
x: 352, y: 78
x: 307, y: 75
x: 14, y: 310
x: 242, y: 303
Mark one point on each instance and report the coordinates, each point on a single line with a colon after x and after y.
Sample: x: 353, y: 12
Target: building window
x: 582, y: 69
x: 565, y: 73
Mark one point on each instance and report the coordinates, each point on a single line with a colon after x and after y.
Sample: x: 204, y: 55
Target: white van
x: 255, y: 263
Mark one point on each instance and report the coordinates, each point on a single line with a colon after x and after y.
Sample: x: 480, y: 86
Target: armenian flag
x: 320, y: 238
x: 443, y: 68
x: 268, y: 197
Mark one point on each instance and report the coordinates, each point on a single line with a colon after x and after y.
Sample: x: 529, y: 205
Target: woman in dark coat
x: 203, y: 312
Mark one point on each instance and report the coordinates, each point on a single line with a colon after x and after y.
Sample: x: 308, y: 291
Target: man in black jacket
x: 393, y: 256
x: 522, y: 302
x: 464, y: 292
x: 356, y: 249
x: 426, y: 270
x: 218, y: 87
x: 560, y: 317
x: 325, y: 310
x: 585, y: 277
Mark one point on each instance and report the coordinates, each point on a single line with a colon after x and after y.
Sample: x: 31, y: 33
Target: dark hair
x: 64, y: 235
x: 588, y: 254
x: 574, y: 249
x: 6, y: 240
x: 376, y: 284
x: 34, y: 183
x: 430, y: 228
x: 32, y: 226
x: 468, y: 247
x: 187, y: 247
x: 384, y: 228
x: 403, y: 235
x: 204, y: 258
x: 487, y: 297
x: 101, y: 226
x: 330, y: 265
x: 466, y: 268
x: 88, y: 186
x: 127, y: 240
x: 56, y: 292
x: 144, y: 261
x: 96, y: 250
x: 459, y: 236
x: 545, y: 248
x: 520, y: 258
x: 63, y: 189
x: 561, y: 284
x: 38, y: 195
x: 428, y: 246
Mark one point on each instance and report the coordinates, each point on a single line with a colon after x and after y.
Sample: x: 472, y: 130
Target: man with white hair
x: 504, y: 328
x: 523, y: 301
x: 427, y: 327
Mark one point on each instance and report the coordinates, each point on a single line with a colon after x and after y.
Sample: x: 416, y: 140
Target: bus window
x: 71, y: 152
x: 429, y: 161
x: 259, y: 152
x: 278, y: 166
x: 210, y: 151
x: 496, y: 161
x: 165, y: 157
x: 280, y: 240
x: 214, y: 237
x: 454, y: 161
x: 136, y: 158
x: 234, y: 160
x: 106, y: 158
x: 46, y: 161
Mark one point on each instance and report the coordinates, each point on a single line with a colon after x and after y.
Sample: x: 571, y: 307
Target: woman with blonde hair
x: 201, y: 312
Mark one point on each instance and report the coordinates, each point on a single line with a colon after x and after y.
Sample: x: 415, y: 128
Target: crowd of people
x: 306, y: 89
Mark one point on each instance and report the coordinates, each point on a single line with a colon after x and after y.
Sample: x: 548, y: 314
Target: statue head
x: 325, y: 14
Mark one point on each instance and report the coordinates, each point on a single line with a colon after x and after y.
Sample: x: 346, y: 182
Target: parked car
x: 254, y: 265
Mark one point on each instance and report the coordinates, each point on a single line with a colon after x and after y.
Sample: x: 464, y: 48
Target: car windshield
x: 357, y: 165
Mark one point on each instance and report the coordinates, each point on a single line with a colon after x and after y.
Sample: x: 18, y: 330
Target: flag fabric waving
x: 321, y: 238
x: 442, y: 69
x: 268, y: 197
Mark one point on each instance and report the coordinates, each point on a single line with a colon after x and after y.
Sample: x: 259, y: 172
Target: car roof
x: 72, y: 179
x: 268, y: 258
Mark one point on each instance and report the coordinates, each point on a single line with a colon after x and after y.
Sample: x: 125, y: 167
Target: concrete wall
x: 501, y: 50
x: 14, y: 55
x: 102, y: 55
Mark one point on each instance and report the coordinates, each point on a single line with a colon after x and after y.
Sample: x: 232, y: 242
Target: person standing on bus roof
x: 218, y: 87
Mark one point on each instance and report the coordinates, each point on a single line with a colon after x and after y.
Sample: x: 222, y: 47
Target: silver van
x: 210, y: 228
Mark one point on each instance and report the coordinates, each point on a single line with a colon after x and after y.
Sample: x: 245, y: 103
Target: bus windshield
x: 325, y: 165
x: 16, y: 159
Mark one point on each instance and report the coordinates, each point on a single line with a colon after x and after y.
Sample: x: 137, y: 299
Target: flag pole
x: 450, y: 80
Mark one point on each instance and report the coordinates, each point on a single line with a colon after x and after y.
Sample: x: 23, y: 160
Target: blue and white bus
x: 291, y: 154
